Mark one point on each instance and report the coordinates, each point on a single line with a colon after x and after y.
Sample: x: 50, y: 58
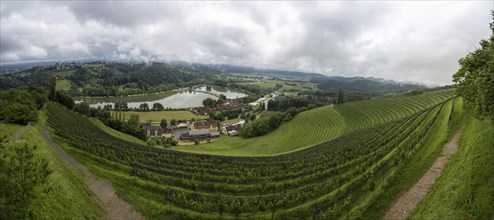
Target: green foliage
x: 475, y: 78
x: 268, y: 122
x: 163, y: 123
x: 340, y: 97
x: 21, y: 172
x: 467, y: 179
x: 209, y: 102
x: 21, y: 105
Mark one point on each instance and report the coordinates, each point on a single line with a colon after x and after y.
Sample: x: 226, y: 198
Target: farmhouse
x: 233, y: 129
x: 204, y: 125
x: 156, y: 131
x: 199, y: 134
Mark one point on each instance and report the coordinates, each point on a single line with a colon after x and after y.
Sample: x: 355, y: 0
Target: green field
x: 63, y: 84
x: 64, y: 194
x: 116, y: 133
x: 345, y: 177
x: 322, y: 124
x: 158, y: 115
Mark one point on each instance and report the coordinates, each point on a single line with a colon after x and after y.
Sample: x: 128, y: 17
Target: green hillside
x: 467, y: 180
x: 64, y: 194
x: 322, y: 124
x: 344, y: 176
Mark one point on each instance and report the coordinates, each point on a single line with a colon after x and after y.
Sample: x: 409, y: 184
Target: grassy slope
x: 8, y: 129
x: 168, y: 115
x: 465, y: 189
x: 64, y: 195
x: 316, y: 126
x: 63, y: 84
x: 417, y: 165
x: 116, y: 133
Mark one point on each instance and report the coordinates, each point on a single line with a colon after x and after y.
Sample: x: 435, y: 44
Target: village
x: 194, y: 130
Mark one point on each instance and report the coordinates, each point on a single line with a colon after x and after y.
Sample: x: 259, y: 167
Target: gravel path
x: 407, y: 202
x: 116, y: 208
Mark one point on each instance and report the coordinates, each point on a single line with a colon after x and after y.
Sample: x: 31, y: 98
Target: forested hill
x: 227, y: 68
x: 355, y: 84
x: 367, y: 85
x: 108, y: 79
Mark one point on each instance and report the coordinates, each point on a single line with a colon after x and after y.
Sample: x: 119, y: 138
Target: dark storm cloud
x: 406, y: 41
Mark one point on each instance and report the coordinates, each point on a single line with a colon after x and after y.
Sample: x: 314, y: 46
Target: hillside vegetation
x: 323, y: 124
x: 61, y: 194
x: 467, y: 180
x: 334, y: 179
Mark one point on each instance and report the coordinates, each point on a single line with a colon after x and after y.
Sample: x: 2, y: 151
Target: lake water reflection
x: 179, y: 100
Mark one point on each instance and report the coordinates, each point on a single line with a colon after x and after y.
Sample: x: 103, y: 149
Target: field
x: 156, y: 116
x: 322, y: 124
x: 345, y: 177
x: 116, y: 133
x: 64, y: 193
x: 63, y: 84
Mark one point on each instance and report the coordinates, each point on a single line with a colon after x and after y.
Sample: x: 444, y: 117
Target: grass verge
x: 465, y: 189
x: 64, y: 195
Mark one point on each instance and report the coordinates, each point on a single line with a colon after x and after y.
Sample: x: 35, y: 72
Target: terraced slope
x: 322, y: 124
x: 344, y: 176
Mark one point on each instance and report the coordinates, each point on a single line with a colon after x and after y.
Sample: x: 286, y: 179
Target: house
x: 204, y: 125
x: 152, y: 131
x: 199, y: 134
x: 156, y: 131
x: 167, y: 132
x: 233, y: 129
x: 215, y: 134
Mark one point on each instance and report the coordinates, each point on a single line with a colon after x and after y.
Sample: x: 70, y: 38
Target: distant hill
x: 227, y: 68
x: 361, y: 84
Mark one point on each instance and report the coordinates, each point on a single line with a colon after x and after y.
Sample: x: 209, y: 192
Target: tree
x: 163, y: 123
x: 209, y: 102
x: 340, y: 97
x: 173, y: 122
x: 133, y: 121
x: 21, y: 172
x: 144, y: 107
x: 53, y: 85
x: 158, y: 106
x: 475, y: 78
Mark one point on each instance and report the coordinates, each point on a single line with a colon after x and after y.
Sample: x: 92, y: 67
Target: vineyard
x: 341, y: 178
x: 323, y: 124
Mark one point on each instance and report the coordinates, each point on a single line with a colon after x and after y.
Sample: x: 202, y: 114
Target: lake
x: 168, y: 99
x: 178, y: 100
x: 228, y: 93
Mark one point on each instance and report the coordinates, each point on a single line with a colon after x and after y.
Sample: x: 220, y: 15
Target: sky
x: 407, y: 41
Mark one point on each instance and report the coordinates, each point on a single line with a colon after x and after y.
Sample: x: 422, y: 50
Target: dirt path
x: 407, y: 202
x: 116, y: 207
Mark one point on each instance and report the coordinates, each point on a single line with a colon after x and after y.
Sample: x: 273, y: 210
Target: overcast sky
x: 404, y: 41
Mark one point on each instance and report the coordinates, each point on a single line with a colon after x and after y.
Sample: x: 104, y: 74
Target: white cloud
x: 419, y: 41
